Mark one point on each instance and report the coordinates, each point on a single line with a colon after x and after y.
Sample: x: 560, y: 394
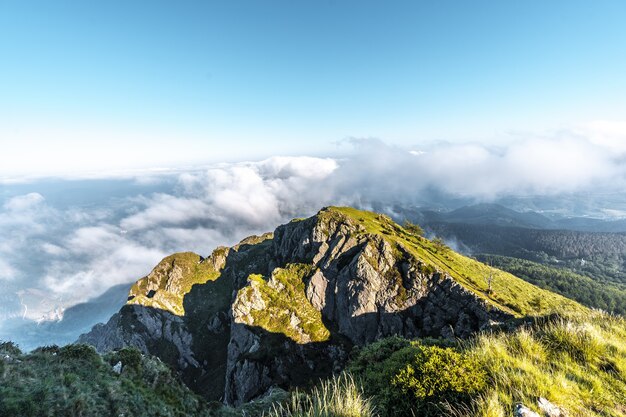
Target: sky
x: 132, y: 130
x: 90, y: 86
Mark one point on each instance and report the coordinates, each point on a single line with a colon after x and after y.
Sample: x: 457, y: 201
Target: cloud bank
x: 54, y: 256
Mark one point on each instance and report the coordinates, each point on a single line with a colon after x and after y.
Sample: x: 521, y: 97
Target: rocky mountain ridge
x: 285, y: 308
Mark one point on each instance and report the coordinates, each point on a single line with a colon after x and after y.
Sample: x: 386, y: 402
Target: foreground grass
x: 339, y: 396
x: 75, y: 381
x: 578, y: 363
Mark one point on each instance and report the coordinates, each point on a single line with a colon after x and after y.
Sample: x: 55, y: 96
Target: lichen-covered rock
x: 167, y: 284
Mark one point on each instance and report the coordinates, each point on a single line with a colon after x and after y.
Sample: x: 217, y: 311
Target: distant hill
x: 499, y: 215
x: 493, y: 214
x: 601, y: 256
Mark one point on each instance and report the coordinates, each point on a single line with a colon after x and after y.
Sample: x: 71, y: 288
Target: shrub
x: 81, y: 352
x: 408, y: 378
x: 440, y: 245
x: 10, y: 348
x: 413, y: 228
x: 440, y: 375
x: 130, y: 358
x: 49, y: 349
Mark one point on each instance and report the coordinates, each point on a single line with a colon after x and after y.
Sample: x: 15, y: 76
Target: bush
x: 10, y: 348
x: 440, y: 245
x: 408, y: 378
x: 49, y: 349
x: 81, y: 352
x: 413, y: 228
x: 440, y: 375
x: 130, y: 358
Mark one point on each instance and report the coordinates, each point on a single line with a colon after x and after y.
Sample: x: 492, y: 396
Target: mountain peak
x: 266, y: 311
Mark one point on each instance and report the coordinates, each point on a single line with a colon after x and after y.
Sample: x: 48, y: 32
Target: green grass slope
x: 607, y: 296
x: 169, y: 281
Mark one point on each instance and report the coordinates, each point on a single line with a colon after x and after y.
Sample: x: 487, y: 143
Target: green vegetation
x: 169, y: 282
x: 418, y: 377
x: 578, y: 363
x: 340, y: 396
x: 603, y: 295
x: 508, y: 292
x: 413, y: 228
x: 598, y: 255
x: 287, y: 310
x: 75, y: 381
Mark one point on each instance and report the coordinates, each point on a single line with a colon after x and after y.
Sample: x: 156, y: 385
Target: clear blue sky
x: 109, y: 84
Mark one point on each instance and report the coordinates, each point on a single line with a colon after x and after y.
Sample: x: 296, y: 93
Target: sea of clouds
x: 54, y: 255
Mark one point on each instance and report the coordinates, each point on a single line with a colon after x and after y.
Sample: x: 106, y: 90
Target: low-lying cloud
x: 65, y: 255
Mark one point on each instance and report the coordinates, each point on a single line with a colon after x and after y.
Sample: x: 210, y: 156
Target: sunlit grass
x: 578, y: 363
x: 340, y: 396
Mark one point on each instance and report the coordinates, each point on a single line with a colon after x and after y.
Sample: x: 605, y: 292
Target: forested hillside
x: 601, y: 256
x: 610, y: 297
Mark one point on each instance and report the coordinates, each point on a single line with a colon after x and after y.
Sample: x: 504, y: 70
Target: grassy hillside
x: 598, y: 255
x: 576, y: 363
x: 508, y: 292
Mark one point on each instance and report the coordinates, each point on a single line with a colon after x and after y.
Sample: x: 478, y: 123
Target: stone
x: 522, y: 411
x: 549, y: 409
x: 117, y: 368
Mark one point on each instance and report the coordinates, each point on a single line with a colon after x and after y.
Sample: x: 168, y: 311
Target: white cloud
x: 70, y: 255
x: 7, y: 272
x: 606, y: 133
x: 24, y: 202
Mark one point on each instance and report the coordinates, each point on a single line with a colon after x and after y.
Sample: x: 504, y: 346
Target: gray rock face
x: 364, y: 287
x: 146, y: 329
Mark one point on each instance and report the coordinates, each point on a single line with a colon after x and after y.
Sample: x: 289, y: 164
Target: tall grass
x: 339, y: 396
x: 577, y: 363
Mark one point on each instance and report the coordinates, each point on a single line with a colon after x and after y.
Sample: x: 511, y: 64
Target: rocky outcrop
x: 284, y: 308
x: 167, y: 284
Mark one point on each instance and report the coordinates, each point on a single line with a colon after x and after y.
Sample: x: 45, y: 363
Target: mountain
x: 489, y: 214
x: 500, y: 215
x: 287, y: 307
